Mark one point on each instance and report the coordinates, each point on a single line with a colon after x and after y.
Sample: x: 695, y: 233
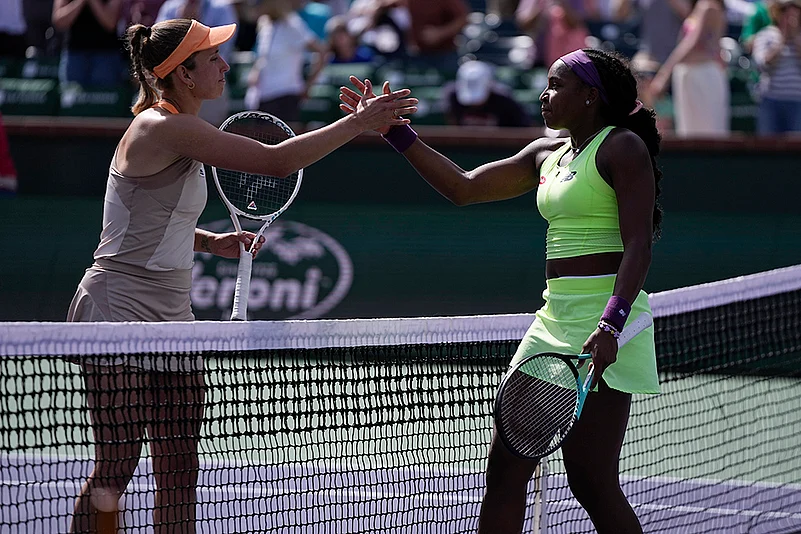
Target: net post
x: 543, y: 511
x: 540, y: 483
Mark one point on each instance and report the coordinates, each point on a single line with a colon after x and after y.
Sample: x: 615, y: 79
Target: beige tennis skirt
x: 114, y: 292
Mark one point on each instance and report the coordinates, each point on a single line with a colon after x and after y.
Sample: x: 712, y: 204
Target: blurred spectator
x: 276, y: 83
x: 43, y: 39
x: 476, y: 99
x: 557, y: 27
x: 8, y: 174
x: 248, y: 13
x: 92, y: 54
x: 753, y: 24
x: 660, y: 26
x: 738, y: 11
x: 434, y: 27
x: 338, y: 7
x: 505, y: 9
x: 345, y: 47
x: 383, y: 25
x: 142, y: 12
x: 210, y: 13
x: 315, y: 15
x: 13, y: 42
x: 777, y: 53
x: 701, y: 92
x: 599, y: 10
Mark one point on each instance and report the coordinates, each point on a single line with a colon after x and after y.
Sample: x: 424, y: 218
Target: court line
x: 255, y: 492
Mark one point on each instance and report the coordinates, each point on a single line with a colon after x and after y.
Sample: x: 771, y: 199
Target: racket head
x: 255, y: 196
x: 537, y: 404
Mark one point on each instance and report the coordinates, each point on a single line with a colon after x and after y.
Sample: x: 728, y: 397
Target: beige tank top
x: 149, y: 221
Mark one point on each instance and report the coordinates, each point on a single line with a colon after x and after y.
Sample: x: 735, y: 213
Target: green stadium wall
x: 731, y: 209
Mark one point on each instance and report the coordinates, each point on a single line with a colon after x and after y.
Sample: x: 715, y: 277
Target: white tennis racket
x: 254, y: 196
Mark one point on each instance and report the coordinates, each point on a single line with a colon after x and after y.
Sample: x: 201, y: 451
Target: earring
x: 192, y: 86
x: 588, y: 102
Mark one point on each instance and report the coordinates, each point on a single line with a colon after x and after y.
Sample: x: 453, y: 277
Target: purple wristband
x: 616, y: 312
x: 400, y: 137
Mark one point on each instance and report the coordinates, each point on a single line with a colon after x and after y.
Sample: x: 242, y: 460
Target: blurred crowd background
x: 708, y: 67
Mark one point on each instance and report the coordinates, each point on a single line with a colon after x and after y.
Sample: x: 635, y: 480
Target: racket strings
x: 255, y: 194
x: 538, y: 406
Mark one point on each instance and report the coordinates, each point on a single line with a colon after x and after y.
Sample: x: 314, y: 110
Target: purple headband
x: 580, y: 63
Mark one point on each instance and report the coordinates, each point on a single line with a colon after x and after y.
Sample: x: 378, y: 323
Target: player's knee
x: 590, y: 486
x: 507, y: 472
x: 113, y: 475
x: 176, y: 471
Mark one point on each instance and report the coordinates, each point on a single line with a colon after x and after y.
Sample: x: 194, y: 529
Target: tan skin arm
x: 622, y: 9
x: 225, y: 245
x: 157, y: 138
x: 65, y: 12
x: 528, y: 17
x: 623, y: 161
x: 706, y: 22
x: 107, y: 14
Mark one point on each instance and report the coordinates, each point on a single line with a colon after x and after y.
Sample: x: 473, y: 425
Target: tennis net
x: 383, y: 425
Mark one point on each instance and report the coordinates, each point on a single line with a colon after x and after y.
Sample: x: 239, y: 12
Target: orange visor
x: 199, y: 37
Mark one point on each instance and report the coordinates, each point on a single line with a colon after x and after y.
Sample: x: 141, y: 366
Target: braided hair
x: 621, y: 91
x: 149, y: 46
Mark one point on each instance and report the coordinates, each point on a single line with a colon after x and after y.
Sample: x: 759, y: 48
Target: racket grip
x: 242, y: 289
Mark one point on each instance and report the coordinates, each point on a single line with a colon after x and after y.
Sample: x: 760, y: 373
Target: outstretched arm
x: 187, y: 135
x: 499, y: 180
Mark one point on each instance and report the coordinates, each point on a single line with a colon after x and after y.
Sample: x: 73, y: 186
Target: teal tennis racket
x: 541, y: 397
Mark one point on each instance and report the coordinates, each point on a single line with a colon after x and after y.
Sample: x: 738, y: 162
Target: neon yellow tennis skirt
x: 573, y: 306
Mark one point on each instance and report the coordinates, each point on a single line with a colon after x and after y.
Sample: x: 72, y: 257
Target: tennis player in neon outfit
x: 598, y: 191
x: 142, y: 267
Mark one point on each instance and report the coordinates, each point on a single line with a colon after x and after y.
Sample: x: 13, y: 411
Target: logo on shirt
x: 568, y: 177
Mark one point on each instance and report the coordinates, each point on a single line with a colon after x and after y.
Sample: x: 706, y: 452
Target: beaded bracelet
x: 606, y: 327
x: 400, y: 137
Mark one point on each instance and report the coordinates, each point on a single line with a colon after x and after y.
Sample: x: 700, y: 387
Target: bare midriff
x: 589, y: 265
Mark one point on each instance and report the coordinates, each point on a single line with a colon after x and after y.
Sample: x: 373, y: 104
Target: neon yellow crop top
x: 580, y: 207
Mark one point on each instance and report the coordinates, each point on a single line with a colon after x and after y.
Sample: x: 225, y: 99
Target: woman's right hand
x: 377, y: 113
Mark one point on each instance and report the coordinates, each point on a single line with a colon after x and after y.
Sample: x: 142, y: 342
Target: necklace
x: 581, y: 147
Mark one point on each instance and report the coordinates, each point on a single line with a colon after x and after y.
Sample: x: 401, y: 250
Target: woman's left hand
x: 353, y: 101
x: 227, y: 245
x: 603, y: 347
